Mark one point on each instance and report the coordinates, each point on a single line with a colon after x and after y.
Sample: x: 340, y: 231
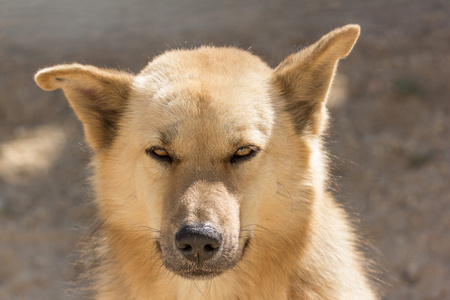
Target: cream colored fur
x: 284, y: 237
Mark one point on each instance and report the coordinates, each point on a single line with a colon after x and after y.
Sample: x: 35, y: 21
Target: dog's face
x: 189, y: 151
x: 201, y: 124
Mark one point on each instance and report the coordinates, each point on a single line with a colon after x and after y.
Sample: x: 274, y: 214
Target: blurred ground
x: 390, y: 137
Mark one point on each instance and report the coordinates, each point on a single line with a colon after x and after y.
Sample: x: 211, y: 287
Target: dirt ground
x: 390, y: 138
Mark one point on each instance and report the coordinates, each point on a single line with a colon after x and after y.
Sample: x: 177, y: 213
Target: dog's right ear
x: 98, y: 97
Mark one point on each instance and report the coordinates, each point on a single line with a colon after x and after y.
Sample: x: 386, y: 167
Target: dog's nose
x: 198, y: 242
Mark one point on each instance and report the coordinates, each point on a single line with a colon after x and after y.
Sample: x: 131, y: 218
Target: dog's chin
x: 199, y: 274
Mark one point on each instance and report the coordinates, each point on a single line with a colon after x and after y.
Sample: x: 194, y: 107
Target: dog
x: 210, y: 177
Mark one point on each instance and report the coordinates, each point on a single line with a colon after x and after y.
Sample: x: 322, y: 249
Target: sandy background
x: 390, y: 137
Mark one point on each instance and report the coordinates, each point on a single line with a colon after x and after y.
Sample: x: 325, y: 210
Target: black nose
x: 198, y: 242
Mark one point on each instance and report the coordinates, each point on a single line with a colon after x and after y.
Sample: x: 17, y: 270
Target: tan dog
x: 210, y: 178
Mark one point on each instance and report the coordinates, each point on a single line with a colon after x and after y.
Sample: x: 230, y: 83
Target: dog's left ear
x: 304, y: 78
x: 98, y: 97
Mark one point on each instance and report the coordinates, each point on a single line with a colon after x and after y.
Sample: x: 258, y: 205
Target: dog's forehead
x: 226, y: 74
x: 207, y: 92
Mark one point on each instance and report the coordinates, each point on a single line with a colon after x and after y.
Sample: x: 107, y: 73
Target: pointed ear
x: 304, y: 78
x: 98, y: 97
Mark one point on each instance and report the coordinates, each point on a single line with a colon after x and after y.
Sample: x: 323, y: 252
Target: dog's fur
x: 214, y: 136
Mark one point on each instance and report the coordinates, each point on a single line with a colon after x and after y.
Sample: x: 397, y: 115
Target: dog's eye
x: 159, y: 153
x: 244, y: 153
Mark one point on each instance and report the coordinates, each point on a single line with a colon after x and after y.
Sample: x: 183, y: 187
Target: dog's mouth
x: 204, y: 270
x: 199, y: 273
x: 245, y: 247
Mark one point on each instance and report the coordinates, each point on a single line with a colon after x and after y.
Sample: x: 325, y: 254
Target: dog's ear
x: 98, y: 96
x: 304, y: 78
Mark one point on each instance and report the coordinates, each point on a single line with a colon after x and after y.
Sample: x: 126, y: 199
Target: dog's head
x: 193, y: 146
